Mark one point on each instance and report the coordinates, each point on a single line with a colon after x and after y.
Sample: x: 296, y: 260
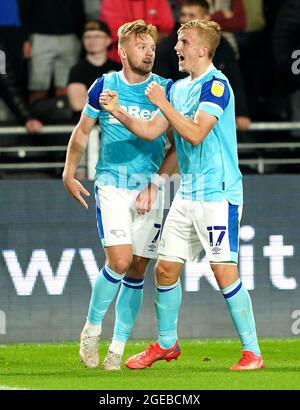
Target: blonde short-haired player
x: 129, y: 199
x: 206, y: 211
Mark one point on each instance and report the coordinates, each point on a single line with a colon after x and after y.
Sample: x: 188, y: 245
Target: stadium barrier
x: 257, y: 153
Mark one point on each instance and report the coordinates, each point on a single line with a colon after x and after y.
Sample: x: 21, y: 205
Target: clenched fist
x: 109, y: 100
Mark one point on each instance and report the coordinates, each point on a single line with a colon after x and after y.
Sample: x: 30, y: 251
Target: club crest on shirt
x: 217, y: 88
x: 119, y: 233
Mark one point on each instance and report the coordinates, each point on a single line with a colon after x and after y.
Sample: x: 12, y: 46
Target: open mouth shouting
x: 180, y: 58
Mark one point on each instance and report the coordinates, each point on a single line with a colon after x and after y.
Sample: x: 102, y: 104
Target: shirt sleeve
x: 214, y: 98
x: 92, y: 106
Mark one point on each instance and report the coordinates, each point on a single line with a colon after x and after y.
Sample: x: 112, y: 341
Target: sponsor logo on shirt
x: 137, y: 111
x: 217, y: 88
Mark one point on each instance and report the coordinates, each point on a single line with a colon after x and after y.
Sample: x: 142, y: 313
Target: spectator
x: 166, y: 62
x: 91, y: 8
x: 231, y: 16
x: 252, y: 48
x: 12, y: 36
x: 96, y: 40
x: 286, y: 35
x: 11, y: 94
x: 54, y: 46
x: 286, y: 41
x: 255, y: 20
x: 117, y: 12
x: 175, y: 6
x: 274, y: 103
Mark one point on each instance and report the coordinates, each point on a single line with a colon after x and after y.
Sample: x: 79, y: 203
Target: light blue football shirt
x: 125, y: 161
x: 209, y: 171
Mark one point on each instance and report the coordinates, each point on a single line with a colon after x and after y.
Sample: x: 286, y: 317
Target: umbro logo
x: 152, y: 247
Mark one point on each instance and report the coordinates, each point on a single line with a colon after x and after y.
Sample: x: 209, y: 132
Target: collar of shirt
x: 211, y: 67
x: 122, y: 77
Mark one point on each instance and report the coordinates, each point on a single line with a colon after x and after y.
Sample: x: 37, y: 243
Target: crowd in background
x: 55, y: 49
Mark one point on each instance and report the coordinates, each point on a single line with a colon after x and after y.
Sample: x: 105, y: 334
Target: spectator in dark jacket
x: 286, y: 49
x: 12, y: 36
x: 11, y: 94
x: 286, y: 36
x: 166, y: 61
x: 54, y: 27
x: 253, y: 49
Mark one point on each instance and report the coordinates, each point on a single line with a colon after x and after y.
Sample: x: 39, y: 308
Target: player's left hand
x: 156, y: 94
x: 146, y: 198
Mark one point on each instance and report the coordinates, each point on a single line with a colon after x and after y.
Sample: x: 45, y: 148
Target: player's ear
x: 203, y: 51
x: 122, y: 53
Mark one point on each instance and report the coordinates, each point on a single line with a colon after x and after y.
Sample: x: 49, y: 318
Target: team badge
x: 119, y: 233
x: 217, y: 88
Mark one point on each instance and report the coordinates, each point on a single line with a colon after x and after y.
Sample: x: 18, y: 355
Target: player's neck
x: 97, y: 59
x: 200, y: 69
x: 134, y: 78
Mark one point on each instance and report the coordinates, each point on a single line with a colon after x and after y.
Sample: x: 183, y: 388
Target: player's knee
x: 137, y: 269
x: 120, y: 265
x: 164, y: 274
x: 218, y: 269
x: 224, y: 273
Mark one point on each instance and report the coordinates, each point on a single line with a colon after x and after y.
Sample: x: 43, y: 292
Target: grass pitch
x: 202, y: 366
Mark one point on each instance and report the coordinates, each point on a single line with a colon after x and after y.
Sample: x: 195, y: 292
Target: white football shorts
x: 192, y: 227
x: 119, y: 223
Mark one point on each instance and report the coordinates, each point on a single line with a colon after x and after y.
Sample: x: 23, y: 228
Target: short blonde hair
x: 136, y: 28
x: 209, y: 30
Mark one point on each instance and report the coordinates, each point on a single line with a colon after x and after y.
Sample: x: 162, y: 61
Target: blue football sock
x: 167, y: 304
x: 240, y: 308
x: 104, y: 291
x: 128, y: 305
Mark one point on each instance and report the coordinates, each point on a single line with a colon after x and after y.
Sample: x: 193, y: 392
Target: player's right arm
x: 76, y: 149
x: 78, y: 142
x: 144, y: 129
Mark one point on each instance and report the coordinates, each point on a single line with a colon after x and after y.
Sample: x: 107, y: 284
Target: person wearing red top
x: 230, y: 15
x: 117, y: 12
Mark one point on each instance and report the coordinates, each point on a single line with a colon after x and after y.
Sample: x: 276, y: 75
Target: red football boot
x: 249, y: 361
x: 152, y: 354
